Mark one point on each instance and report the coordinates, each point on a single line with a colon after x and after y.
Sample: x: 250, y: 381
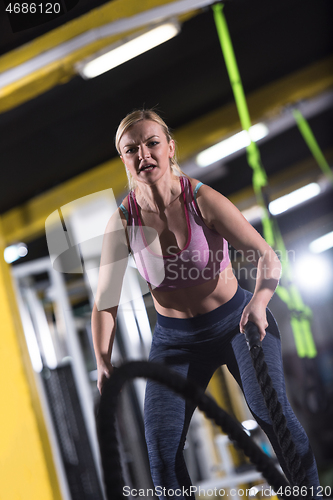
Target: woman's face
x: 146, y: 152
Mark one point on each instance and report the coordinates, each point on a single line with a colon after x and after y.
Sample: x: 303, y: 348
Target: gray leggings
x: 195, y: 348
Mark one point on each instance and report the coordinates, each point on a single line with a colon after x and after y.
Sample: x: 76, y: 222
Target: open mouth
x: 147, y: 168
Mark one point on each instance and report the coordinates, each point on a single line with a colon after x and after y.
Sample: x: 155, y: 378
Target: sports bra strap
x: 196, y: 189
x: 124, y: 211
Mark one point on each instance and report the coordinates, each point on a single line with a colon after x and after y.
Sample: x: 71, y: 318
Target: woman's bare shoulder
x: 193, y: 182
x: 204, y: 190
x: 123, y: 216
x: 118, y: 219
x: 125, y: 202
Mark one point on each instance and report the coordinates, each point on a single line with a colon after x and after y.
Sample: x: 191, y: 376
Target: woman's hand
x: 104, y: 371
x: 255, y: 311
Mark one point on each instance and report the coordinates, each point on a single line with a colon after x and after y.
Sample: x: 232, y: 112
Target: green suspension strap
x: 300, y: 314
x: 312, y: 143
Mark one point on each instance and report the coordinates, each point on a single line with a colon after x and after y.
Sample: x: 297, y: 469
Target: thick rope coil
x: 288, y: 448
x: 161, y: 373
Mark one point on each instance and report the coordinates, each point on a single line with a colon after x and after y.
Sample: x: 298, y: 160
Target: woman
x: 201, y: 310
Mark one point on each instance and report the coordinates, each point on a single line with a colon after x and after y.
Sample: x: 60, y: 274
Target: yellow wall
x: 26, y: 466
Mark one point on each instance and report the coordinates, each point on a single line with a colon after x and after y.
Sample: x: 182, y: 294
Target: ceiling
x: 69, y: 128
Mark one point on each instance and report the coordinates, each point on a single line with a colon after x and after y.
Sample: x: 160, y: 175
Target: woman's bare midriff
x: 196, y: 300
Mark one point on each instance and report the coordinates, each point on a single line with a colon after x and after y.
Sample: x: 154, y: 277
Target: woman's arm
x: 220, y: 214
x: 103, y: 326
x: 112, y: 269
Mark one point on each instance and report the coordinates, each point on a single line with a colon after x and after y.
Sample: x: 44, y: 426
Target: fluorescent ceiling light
x: 294, y: 198
x: 312, y: 273
x: 321, y: 244
x: 128, y: 50
x: 15, y: 252
x: 231, y: 145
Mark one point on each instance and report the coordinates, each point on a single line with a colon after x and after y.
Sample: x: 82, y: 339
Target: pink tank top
x: 204, y: 256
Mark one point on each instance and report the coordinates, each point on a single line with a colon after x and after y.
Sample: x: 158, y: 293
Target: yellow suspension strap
x: 288, y: 292
x: 312, y: 143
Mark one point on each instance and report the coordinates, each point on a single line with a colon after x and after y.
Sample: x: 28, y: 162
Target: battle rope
x: 288, y: 449
x: 113, y: 479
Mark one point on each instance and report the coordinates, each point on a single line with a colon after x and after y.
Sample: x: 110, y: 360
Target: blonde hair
x: 133, y: 118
